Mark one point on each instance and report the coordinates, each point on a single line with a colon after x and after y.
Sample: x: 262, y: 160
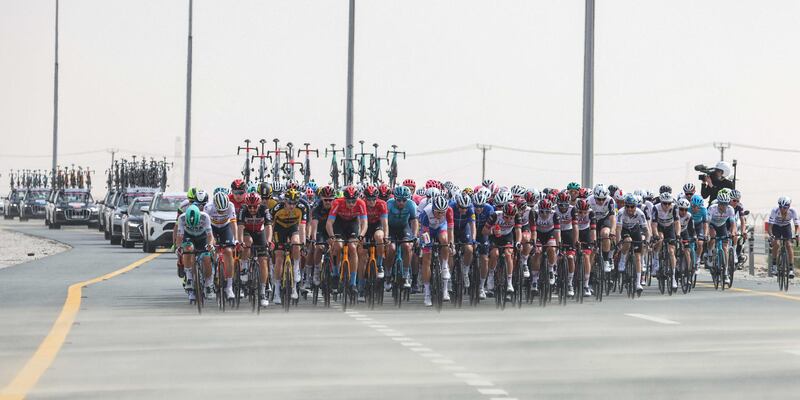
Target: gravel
x: 17, y: 248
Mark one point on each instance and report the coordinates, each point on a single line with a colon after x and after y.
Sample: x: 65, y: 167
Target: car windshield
x: 170, y: 203
x: 136, y: 208
x: 79, y: 197
x: 39, y: 195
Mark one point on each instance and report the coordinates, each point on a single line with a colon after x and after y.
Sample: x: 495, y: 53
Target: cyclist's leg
x: 380, y: 249
x: 624, y: 247
x: 605, y: 242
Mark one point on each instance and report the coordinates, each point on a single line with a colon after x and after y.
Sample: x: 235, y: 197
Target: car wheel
x: 146, y: 247
x: 106, y: 235
x: 115, y: 240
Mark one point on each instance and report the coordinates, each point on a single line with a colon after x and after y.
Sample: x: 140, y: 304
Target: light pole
x: 187, y: 157
x: 350, y: 54
x: 55, y: 103
x: 587, y: 158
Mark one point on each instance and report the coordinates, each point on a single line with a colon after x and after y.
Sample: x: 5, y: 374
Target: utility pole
x: 350, y: 56
x: 55, y: 103
x: 187, y: 156
x: 483, y: 148
x: 722, y: 146
x: 587, y: 149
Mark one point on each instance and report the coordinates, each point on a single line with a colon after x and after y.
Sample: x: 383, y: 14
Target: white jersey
x: 524, y: 213
x: 632, y: 222
x: 719, y: 217
x: 204, y: 227
x: 220, y: 219
x: 685, y: 220
x: 602, y: 208
x: 778, y: 219
x: 662, y: 217
x: 565, y: 219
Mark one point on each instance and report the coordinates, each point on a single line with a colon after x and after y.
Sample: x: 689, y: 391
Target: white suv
x: 159, y: 220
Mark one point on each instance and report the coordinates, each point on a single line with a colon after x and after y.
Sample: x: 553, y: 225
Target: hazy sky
x: 428, y: 75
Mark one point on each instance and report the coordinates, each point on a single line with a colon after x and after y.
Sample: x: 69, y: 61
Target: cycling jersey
x: 776, y: 218
x: 483, y: 215
x: 664, y: 218
x: 461, y: 221
x: 501, y: 226
x: 400, y: 217
x: 687, y: 224
x: 584, y: 220
x: 202, y: 228
x: 602, y: 209
x: 565, y: 219
x: 340, y: 210
x: 284, y: 217
x: 254, y: 222
x: 544, y: 223
x: 428, y: 219
x: 700, y: 216
x: 320, y: 213
x: 647, y: 207
x: 377, y: 212
x: 220, y: 218
x: 524, y: 213
x: 717, y: 217
x: 633, y: 222
x: 237, y: 205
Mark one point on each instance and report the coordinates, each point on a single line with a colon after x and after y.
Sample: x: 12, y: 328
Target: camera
x: 702, y: 177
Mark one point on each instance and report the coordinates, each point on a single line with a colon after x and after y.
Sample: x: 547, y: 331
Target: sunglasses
x: 630, y: 207
x: 350, y: 202
x: 400, y: 200
x: 238, y: 192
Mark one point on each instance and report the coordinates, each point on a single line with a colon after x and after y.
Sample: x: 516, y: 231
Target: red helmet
x: 583, y: 193
x: 252, y: 199
x: 520, y: 202
x: 431, y: 183
x: 510, y: 209
x: 292, y: 185
x: 384, y: 192
x: 350, y: 192
x: 545, y: 205
x: 409, y: 183
x: 563, y: 197
x: 309, y: 193
x: 370, y: 192
x: 551, y: 197
x: 530, y: 197
x: 582, y: 205
x: 326, y: 192
x: 238, y: 185
x: 555, y: 191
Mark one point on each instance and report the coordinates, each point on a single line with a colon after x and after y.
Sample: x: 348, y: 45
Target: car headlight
x: 58, y: 209
x: 117, y: 216
x: 157, y: 220
x: 133, y: 224
x: 93, y: 210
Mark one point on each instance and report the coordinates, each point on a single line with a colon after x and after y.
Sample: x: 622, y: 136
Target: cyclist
x: 741, y: 219
x: 585, y: 224
x: 689, y: 191
x: 191, y: 197
x: 631, y: 224
x: 483, y: 210
x: 377, y: 226
x: 347, y: 219
x: 194, y: 234
x: 255, y: 228
x: 504, y: 231
x: 288, y: 217
x: 545, y: 231
x: 464, y: 230
x: 566, y: 219
x: 721, y: 219
x: 779, y: 227
x: 605, y: 212
x: 403, y: 225
x: 384, y: 192
x: 435, y: 227
x: 688, y: 231
x: 319, y: 236
x: 265, y: 192
x: 700, y: 220
x: 572, y: 189
x: 238, y: 192
x: 525, y: 210
x: 223, y: 226
x: 664, y: 226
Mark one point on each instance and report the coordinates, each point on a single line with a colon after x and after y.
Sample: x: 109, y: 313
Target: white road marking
x: 402, y: 339
x: 453, y: 368
x: 493, y: 391
x: 795, y: 352
x: 466, y: 375
x: 411, y: 344
x: 421, y: 349
x: 480, y: 383
x: 442, y: 361
x: 654, y: 319
x: 431, y: 355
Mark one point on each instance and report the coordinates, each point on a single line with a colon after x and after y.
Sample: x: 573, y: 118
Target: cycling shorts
x: 223, y: 235
x: 636, y: 236
x: 346, y: 229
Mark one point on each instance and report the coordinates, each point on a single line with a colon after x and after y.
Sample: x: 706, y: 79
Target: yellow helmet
x: 292, y: 195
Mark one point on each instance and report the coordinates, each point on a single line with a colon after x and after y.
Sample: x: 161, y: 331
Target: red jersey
x: 340, y: 210
x: 237, y: 206
x: 377, y: 212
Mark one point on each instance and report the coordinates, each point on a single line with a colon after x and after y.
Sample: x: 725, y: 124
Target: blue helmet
x: 630, y: 200
x: 312, y: 185
x: 697, y: 200
x: 402, y: 192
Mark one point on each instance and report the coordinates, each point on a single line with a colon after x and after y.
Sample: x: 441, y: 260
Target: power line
x: 443, y: 151
x: 764, y: 148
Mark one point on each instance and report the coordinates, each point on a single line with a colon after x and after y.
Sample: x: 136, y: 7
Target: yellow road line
x: 48, y: 350
x: 759, y: 292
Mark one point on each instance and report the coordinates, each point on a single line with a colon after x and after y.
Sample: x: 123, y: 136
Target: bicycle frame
x: 305, y: 168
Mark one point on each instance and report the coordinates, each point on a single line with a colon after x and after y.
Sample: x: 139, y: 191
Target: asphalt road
x: 136, y: 337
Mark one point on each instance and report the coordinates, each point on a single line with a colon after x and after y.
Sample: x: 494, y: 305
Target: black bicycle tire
x: 198, y: 287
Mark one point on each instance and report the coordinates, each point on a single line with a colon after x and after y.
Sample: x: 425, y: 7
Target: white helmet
x: 502, y: 198
x: 440, y: 203
x: 683, y: 203
x: 463, y: 200
x: 600, y: 192
x: 783, y: 201
x: 518, y: 190
x: 481, y: 196
x: 665, y: 197
x: 433, y: 192
x: 724, y: 167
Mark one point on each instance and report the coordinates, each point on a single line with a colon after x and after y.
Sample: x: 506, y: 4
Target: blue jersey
x: 700, y: 216
x: 483, y: 216
x: 462, y: 221
x: 400, y: 217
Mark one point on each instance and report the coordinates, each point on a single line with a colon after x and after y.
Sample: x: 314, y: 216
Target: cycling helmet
x: 638, y: 192
x: 278, y: 188
x: 582, y: 205
x: 510, y: 209
x: 402, y: 192
x: 371, y: 192
x: 736, y: 195
x: 192, y: 216
x: 221, y: 189
x: 312, y: 185
x: 431, y: 183
x: 468, y: 191
x: 724, y: 167
x: 481, y: 197
x: 292, y: 196
x: 221, y: 201
x: 191, y: 194
x: 432, y: 192
x: 612, y: 189
x: 265, y: 189
x: 292, y: 184
x: 619, y: 196
x: 683, y: 204
x: 487, y: 183
x: 648, y: 195
x: 409, y: 183
x: 630, y: 200
x: 448, y: 185
x: 563, y: 198
x: 350, y: 192
x: 545, y: 205
x: 463, y: 200
x: 665, y: 189
x: 783, y: 201
x: 502, y: 198
x: 326, y: 192
x: 697, y: 200
x: 583, y: 193
x: 517, y: 190
x: 440, y: 203
x: 724, y: 198
x: 251, y: 188
x: 688, y: 188
x: 638, y: 199
x: 600, y: 192
x: 554, y: 191
x: 238, y: 184
x: 665, y: 197
x: 573, y: 186
x: 384, y: 192
x: 252, y: 200
x: 202, y: 197
x: 724, y: 190
x: 420, y: 192
x: 531, y: 197
x: 309, y: 193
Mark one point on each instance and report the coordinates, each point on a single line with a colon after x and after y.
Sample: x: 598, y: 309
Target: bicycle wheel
x: 563, y: 281
x: 599, y: 273
x: 286, y: 283
x: 647, y: 259
x: 783, y: 276
x: 519, y: 283
x: 579, y: 278
x: 372, y: 281
x: 221, y: 300
x: 254, y: 283
x: 237, y: 283
x: 731, y: 267
x: 344, y: 284
x: 197, y: 284
x: 457, y: 281
x: 501, y: 282
x: 436, y: 283
x: 315, y: 287
x: 723, y: 269
x: 326, y: 280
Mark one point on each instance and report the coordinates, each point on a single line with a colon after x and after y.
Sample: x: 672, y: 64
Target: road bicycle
x: 392, y: 172
x: 334, y: 169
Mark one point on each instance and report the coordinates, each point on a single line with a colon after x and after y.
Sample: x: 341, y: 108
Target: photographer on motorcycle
x: 716, y: 180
